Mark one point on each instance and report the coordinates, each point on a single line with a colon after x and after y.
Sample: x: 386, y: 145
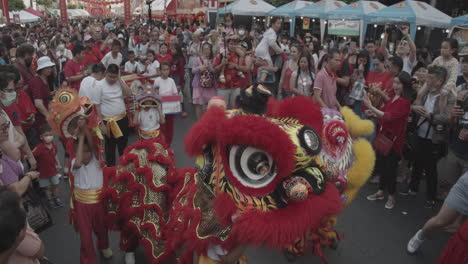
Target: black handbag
x: 36, y: 212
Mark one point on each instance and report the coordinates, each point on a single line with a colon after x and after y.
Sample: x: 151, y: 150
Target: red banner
x: 63, y: 11
x: 104, y: 3
x: 6, y: 12
x: 127, y: 12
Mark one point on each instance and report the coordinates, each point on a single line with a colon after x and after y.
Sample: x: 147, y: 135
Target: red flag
x: 63, y: 11
x: 127, y: 12
x: 6, y: 12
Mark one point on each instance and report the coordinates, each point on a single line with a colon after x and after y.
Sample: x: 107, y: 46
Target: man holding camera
x: 406, y: 48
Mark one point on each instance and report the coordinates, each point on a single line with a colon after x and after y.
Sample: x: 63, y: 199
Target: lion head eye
x: 65, y: 98
x: 253, y: 167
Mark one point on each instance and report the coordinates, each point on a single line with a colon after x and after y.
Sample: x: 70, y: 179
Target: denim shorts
x: 46, y: 182
x: 457, y: 198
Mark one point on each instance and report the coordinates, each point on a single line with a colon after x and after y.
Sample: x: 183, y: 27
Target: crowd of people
x: 418, y: 105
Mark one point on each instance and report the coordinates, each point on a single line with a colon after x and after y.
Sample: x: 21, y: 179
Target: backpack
x: 206, y: 78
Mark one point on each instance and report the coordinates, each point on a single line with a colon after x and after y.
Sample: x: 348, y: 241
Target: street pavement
x: 371, y: 233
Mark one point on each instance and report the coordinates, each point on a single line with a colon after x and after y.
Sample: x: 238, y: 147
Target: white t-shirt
x: 407, y: 64
x: 88, y: 177
x: 167, y: 87
x: 141, y: 49
x: 88, y: 88
x: 131, y: 67
x: 110, y: 98
x: 268, y: 41
x: 109, y: 59
x: 429, y: 105
x: 152, y: 69
x: 149, y: 120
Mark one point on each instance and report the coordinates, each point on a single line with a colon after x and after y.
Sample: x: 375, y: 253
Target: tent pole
x: 413, y: 31
x: 292, y: 26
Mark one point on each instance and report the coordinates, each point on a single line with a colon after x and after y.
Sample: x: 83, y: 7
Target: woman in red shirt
x: 393, y: 118
x: 379, y: 82
x: 163, y: 55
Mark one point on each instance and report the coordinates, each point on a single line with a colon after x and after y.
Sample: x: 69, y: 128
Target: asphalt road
x: 372, y: 234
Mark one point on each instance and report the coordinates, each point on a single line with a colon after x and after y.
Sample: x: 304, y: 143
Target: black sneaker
x: 429, y: 204
x: 51, y: 204
x: 58, y: 202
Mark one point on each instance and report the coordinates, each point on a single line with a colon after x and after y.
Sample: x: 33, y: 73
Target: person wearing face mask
x: 63, y: 54
x: 48, y: 166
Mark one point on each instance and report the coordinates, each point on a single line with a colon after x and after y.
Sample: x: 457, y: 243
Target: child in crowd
x: 166, y: 87
x: 151, y: 69
x: 131, y: 65
x: 114, y: 56
x: 149, y: 120
x: 89, y: 210
x: 48, y: 166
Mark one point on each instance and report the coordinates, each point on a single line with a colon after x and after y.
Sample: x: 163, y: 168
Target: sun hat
x: 88, y: 38
x: 44, y: 62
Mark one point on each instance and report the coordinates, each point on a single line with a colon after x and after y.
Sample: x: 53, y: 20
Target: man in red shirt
x: 74, y: 69
x: 24, y: 58
x: 229, y: 88
x: 92, y: 55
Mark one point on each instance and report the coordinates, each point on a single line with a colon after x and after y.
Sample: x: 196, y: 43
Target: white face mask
x: 110, y: 41
x: 48, y: 139
x: 61, y: 47
x: 241, y: 32
x: 43, y: 47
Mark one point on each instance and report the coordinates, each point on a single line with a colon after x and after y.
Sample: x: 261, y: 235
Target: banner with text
x: 343, y: 28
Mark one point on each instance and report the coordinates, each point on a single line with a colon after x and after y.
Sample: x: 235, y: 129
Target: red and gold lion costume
x: 259, y: 181
x: 276, y: 178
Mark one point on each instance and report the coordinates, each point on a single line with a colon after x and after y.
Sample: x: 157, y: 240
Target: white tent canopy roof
x: 251, y: 8
x: 25, y: 17
x: 412, y: 12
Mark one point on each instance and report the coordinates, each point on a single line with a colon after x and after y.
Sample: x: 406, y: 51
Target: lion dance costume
x: 272, y: 174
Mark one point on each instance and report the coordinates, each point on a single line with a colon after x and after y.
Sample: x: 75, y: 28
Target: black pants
x: 121, y: 142
x: 426, y: 156
x: 387, y: 167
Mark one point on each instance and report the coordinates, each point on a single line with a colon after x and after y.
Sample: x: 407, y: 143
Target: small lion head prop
x: 65, y: 110
x: 147, y: 94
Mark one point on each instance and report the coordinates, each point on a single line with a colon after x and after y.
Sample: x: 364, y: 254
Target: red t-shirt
x: 73, y: 68
x: 167, y: 58
x: 27, y: 108
x: 18, y: 114
x: 39, y: 90
x: 383, y: 81
x: 395, y: 120
x: 45, y: 158
x: 92, y: 57
x: 13, y: 112
x: 232, y: 79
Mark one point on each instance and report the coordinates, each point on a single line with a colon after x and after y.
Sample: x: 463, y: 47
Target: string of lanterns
x: 104, y: 3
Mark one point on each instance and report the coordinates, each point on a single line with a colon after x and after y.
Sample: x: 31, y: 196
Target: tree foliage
x: 45, y: 3
x: 16, y: 5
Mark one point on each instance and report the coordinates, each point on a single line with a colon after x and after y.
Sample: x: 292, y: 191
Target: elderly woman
x: 31, y: 249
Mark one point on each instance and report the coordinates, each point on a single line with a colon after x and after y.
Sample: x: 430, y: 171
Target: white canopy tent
x: 356, y: 11
x: 25, y: 17
x: 157, y: 8
x: 251, y: 8
x: 415, y: 13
